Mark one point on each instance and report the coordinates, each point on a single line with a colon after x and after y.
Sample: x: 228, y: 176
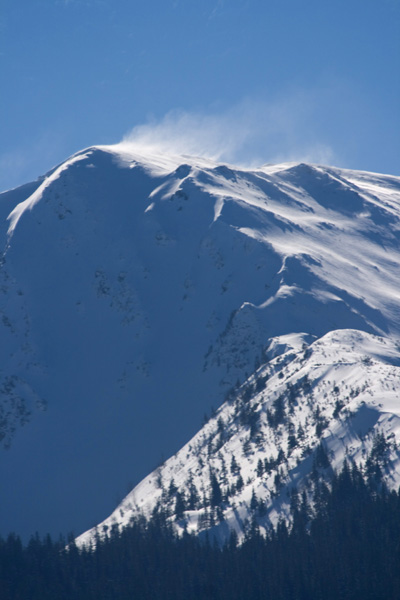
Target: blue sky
x: 247, y: 81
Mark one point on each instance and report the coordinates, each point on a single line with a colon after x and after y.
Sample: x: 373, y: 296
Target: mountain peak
x: 138, y: 289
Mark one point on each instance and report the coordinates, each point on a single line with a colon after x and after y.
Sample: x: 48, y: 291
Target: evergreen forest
x: 344, y: 546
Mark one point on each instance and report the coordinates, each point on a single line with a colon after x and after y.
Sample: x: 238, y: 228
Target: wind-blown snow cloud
x: 248, y: 134
x: 180, y: 132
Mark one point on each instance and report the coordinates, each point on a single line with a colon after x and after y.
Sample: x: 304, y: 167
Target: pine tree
x: 234, y: 465
x: 216, y: 494
x: 253, y: 501
x: 179, y: 505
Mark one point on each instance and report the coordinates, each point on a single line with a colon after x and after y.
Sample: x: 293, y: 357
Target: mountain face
x: 281, y: 435
x: 136, y: 291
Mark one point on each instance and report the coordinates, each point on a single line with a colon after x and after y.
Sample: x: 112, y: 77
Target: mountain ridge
x: 292, y: 424
x: 136, y: 288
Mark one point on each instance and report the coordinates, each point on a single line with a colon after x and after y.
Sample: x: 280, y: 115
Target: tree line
x: 346, y: 546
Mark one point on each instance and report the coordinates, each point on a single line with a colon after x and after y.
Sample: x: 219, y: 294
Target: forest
x: 345, y: 545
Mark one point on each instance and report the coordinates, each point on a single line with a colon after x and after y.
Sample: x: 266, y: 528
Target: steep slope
x: 290, y: 426
x: 136, y: 290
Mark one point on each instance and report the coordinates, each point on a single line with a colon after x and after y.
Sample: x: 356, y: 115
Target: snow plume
x: 248, y: 134
x: 179, y: 132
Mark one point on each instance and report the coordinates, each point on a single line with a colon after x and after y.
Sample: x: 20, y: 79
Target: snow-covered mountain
x: 292, y: 424
x: 137, y: 290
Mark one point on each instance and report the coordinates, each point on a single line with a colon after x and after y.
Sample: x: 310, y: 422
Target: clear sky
x: 241, y: 80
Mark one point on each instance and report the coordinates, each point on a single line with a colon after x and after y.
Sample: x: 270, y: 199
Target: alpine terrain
x: 138, y: 291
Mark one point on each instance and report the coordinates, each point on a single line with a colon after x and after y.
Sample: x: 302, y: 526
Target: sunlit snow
x: 137, y: 289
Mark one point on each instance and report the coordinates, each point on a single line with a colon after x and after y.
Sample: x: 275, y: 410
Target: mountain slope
x: 136, y: 290
x: 292, y: 424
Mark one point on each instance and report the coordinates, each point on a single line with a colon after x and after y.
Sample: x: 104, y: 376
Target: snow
x: 137, y: 288
x: 37, y: 195
x: 342, y: 366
